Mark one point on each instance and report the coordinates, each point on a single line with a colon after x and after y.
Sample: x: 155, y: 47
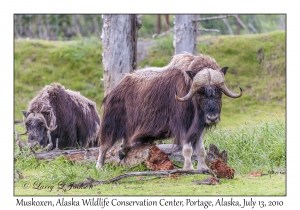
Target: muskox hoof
x: 188, y: 167
x: 121, y: 155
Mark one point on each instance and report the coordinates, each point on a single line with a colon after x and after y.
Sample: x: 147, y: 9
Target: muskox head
x: 37, y: 128
x: 208, y: 86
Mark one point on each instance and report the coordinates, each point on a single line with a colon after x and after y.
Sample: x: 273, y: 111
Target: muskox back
x: 75, y: 116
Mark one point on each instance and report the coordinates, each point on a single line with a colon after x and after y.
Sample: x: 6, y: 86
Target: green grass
x: 255, y: 148
x: 260, y: 147
x: 240, y: 185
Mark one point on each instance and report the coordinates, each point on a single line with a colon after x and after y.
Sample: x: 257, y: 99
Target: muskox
x: 142, y: 107
x: 58, y: 113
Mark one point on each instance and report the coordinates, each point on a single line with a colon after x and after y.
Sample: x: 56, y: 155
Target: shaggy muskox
x: 142, y: 108
x: 64, y: 114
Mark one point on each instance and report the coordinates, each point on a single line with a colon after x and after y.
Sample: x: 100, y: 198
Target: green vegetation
x: 252, y: 129
x: 257, y: 148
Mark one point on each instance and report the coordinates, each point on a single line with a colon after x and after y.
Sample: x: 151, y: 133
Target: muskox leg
x: 200, y: 153
x: 102, y: 151
x: 187, y: 151
x: 124, y: 149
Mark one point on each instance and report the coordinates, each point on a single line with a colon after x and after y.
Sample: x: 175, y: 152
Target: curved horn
x: 50, y: 129
x: 23, y: 133
x: 230, y: 94
x: 188, y: 96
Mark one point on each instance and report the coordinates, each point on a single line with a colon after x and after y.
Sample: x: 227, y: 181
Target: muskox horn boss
x: 207, y: 77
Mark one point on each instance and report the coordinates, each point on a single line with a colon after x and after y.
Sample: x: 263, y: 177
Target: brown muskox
x: 142, y: 108
x: 64, y: 114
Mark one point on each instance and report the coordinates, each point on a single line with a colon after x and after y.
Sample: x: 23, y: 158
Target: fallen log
x: 153, y: 157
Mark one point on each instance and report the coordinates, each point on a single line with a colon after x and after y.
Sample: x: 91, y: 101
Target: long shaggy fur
x: 76, y: 117
x: 142, y: 108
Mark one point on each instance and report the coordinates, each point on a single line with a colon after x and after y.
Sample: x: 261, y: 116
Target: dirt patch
x: 143, y: 47
x: 158, y: 160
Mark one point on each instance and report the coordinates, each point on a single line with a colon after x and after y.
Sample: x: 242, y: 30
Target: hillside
x: 256, y: 63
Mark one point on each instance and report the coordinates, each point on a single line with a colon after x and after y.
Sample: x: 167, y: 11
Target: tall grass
x: 260, y: 147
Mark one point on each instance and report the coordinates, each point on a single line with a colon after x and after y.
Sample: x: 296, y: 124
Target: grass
x: 240, y: 185
x: 252, y: 128
x: 256, y: 148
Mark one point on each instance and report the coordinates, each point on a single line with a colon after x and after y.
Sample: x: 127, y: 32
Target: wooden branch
x: 92, y: 182
x: 162, y: 34
x: 228, y: 26
x: 214, y: 18
x: 72, y: 155
x: 241, y: 23
x: 208, y: 30
x: 253, y: 28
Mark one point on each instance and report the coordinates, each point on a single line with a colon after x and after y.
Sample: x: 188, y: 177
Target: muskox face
x: 36, y: 127
x: 209, y: 99
x: 207, y: 86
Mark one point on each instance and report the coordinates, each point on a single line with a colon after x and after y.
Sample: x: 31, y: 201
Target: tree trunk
x: 119, y: 37
x: 158, y: 24
x: 185, y: 34
x: 167, y: 22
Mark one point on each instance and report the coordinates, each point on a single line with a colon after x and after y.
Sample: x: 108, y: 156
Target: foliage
x: 56, y: 26
x: 70, y: 26
x: 256, y: 148
x: 260, y: 147
x: 260, y: 23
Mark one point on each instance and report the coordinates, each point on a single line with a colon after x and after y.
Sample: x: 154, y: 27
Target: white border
x: 153, y: 7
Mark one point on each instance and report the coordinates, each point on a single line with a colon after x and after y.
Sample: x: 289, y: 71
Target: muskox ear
x: 24, y: 113
x: 224, y: 70
x: 191, y: 74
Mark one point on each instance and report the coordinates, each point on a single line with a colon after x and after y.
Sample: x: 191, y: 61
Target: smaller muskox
x: 58, y: 113
x: 142, y: 107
